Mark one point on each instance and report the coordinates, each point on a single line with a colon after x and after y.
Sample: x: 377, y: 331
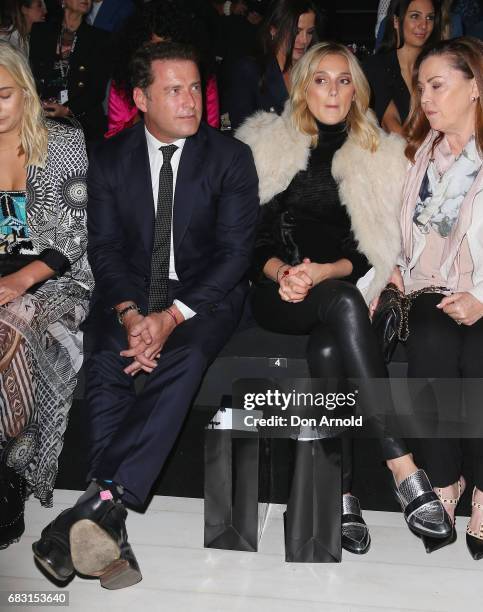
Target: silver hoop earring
x: 473, y: 98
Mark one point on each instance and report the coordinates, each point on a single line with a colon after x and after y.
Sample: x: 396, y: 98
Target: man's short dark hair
x: 141, y: 74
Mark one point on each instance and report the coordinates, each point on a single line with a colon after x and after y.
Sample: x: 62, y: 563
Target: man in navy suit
x: 162, y: 305
x: 109, y: 15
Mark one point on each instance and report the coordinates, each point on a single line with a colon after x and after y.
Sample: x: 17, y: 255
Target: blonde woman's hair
x: 33, y: 130
x: 361, y: 123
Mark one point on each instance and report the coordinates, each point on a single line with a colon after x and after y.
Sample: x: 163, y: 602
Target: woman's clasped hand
x: 296, y: 281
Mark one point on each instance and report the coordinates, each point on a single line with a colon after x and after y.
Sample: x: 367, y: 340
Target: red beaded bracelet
x: 171, y: 314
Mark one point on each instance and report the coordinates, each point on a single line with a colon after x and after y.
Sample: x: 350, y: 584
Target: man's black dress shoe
x: 53, y: 550
x: 100, y: 548
x: 355, y: 533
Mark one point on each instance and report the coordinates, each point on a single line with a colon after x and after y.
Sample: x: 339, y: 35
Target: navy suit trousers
x: 131, y: 435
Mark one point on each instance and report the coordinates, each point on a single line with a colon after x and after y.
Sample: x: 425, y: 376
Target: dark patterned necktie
x: 158, y: 289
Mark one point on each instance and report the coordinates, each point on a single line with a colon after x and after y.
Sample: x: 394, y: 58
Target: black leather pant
x: 342, y: 343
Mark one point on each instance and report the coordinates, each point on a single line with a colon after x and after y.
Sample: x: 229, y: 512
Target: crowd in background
x: 79, y: 51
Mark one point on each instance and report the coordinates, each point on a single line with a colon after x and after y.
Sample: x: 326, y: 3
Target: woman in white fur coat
x: 330, y: 185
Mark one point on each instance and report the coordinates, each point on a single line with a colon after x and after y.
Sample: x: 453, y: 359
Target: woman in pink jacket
x: 171, y: 20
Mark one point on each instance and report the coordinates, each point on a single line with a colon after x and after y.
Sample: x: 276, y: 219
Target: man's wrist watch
x: 121, y: 314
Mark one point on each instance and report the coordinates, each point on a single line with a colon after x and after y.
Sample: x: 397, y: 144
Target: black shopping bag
x: 234, y: 519
x: 312, y: 520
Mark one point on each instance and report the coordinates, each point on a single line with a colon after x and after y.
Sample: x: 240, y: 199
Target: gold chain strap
x: 403, y: 303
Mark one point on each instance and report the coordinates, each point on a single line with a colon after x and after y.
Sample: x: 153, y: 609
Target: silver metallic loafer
x: 423, y: 511
x: 355, y: 532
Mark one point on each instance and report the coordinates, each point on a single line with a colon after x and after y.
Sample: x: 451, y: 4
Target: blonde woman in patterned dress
x: 45, y: 285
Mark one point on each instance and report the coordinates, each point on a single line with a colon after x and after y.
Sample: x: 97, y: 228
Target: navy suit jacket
x: 112, y: 14
x: 214, y: 220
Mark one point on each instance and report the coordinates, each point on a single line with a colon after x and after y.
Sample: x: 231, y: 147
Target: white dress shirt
x: 155, y: 163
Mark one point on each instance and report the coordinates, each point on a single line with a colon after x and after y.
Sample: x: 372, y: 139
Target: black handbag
x: 391, y: 317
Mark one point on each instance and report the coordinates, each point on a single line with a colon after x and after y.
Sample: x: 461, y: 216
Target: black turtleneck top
x: 308, y: 219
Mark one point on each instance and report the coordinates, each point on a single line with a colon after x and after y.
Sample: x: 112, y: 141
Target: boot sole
x: 102, y: 558
x: 92, y: 549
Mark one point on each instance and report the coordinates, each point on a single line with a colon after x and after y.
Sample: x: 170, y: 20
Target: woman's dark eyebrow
x: 436, y: 76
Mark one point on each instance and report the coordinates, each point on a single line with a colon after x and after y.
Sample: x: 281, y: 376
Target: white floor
x: 179, y: 574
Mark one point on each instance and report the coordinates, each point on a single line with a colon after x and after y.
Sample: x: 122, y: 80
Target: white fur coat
x: 370, y: 184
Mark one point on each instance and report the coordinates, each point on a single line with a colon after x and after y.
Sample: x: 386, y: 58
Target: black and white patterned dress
x: 40, y: 341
